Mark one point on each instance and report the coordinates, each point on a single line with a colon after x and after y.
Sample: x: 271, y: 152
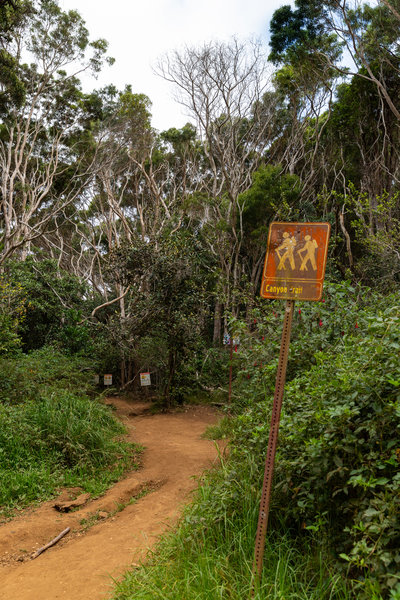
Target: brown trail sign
x: 295, y: 262
x: 294, y: 269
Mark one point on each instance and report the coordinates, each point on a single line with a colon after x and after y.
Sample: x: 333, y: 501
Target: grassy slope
x: 52, y: 434
x: 210, y: 556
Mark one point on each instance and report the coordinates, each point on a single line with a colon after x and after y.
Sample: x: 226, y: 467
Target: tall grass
x: 51, y: 436
x: 210, y: 555
x: 51, y: 442
x: 28, y: 376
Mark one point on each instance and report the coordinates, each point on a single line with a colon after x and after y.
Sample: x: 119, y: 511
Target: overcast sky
x: 139, y: 32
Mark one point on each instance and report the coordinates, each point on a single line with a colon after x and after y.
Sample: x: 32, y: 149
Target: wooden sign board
x: 295, y: 262
x: 107, y: 379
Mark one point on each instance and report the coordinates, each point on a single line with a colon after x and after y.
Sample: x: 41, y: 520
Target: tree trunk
x: 217, y: 323
x: 123, y: 373
x: 347, y: 238
x: 171, y: 374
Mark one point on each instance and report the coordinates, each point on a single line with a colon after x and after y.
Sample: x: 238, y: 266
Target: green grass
x: 59, y: 441
x: 212, y: 570
x: 210, y: 556
x: 45, y: 371
x: 221, y: 431
x: 52, y: 434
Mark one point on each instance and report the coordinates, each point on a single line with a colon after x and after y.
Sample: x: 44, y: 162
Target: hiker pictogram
x: 288, y: 244
x: 286, y: 253
x: 309, y: 247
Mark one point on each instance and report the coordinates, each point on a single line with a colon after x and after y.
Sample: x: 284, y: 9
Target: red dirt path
x: 80, y: 567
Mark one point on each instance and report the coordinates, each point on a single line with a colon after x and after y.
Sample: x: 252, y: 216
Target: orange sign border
x: 318, y: 282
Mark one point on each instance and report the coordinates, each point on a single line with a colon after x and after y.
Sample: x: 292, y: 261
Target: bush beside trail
x: 334, y: 518
x: 337, y: 471
x: 52, y: 434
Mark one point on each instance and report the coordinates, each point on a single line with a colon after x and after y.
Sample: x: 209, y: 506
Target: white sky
x: 140, y: 31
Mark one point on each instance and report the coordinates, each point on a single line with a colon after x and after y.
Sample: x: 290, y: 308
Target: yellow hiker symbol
x: 309, y: 248
x: 286, y: 250
x: 288, y: 245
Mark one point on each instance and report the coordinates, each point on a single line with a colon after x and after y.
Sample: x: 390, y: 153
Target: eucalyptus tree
x: 136, y: 198
x: 222, y: 86
x: 12, y: 14
x: 353, y: 148
x: 36, y: 153
x: 370, y: 33
x: 304, y: 51
x: 127, y: 195
x: 372, y: 37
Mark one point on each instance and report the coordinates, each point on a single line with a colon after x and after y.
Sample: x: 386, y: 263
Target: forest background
x: 124, y: 249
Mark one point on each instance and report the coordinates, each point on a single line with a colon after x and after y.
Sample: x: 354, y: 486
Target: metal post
x: 272, y: 443
x: 230, y: 372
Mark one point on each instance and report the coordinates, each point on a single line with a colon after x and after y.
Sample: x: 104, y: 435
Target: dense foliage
x: 125, y: 249
x: 336, y: 483
x: 52, y: 433
x: 337, y: 472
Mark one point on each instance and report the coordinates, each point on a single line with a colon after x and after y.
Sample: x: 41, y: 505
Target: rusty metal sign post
x: 294, y: 269
x: 230, y: 372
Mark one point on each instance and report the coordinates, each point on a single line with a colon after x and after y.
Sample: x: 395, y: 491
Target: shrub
x: 43, y: 371
x: 56, y: 301
x: 13, y: 304
x: 337, y: 471
x: 317, y: 326
x: 51, y: 433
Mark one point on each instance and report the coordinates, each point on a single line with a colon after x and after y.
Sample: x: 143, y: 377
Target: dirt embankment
x: 109, y: 534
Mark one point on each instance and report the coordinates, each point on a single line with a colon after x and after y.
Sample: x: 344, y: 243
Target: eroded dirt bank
x: 81, y: 565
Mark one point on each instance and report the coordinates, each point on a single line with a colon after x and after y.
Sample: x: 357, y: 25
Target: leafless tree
x: 222, y: 86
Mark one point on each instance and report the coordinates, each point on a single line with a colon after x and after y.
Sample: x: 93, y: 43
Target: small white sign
x: 107, y: 379
x: 145, y: 379
x: 227, y: 340
x: 96, y: 379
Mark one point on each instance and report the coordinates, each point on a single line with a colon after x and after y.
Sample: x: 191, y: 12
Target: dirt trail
x: 80, y: 567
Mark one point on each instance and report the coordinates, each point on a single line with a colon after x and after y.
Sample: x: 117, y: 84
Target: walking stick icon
x: 288, y: 245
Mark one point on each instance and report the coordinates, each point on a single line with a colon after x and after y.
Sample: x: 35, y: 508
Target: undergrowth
x: 51, y: 437
x: 27, y: 376
x: 334, y: 528
x: 210, y: 556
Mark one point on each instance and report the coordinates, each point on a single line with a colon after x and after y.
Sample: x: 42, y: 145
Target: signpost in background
x: 294, y: 269
x: 145, y: 379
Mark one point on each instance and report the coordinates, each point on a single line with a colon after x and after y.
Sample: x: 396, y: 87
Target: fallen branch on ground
x: 52, y: 543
